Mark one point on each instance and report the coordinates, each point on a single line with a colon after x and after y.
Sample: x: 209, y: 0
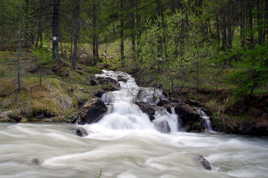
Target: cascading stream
x: 124, y: 114
x: 126, y: 144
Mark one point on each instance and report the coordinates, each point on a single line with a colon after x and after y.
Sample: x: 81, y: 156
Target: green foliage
x: 250, y: 69
x: 43, y: 56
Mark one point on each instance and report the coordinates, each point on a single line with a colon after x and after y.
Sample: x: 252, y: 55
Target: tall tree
x: 95, y: 37
x: 55, y: 29
x: 75, y: 31
x: 122, y: 33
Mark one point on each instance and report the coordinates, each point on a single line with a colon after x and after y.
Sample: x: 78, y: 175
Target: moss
x: 7, y: 86
x: 62, y: 92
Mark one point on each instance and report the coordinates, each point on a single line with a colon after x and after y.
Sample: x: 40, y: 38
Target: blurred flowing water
x: 126, y: 153
x: 126, y: 144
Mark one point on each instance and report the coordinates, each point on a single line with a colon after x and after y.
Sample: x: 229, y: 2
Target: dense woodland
x: 171, y: 37
x: 171, y: 44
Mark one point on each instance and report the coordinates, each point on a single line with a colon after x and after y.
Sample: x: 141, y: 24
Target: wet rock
x: 99, y: 93
x: 81, y: 132
x: 150, y: 95
x: 190, y: 118
x: 204, y: 162
x: 121, y: 78
x: 163, y: 102
x: 107, y: 83
x: 91, y: 112
x: 93, y: 82
x: 162, y: 126
x: 36, y: 161
x: 148, y: 109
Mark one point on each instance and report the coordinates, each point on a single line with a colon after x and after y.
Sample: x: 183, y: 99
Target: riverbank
x: 63, y: 92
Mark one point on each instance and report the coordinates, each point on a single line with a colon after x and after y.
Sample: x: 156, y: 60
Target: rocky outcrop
x: 91, y: 112
x: 188, y: 116
x: 149, y: 101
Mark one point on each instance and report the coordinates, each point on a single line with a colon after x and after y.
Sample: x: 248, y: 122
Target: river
x: 126, y: 154
x: 126, y: 144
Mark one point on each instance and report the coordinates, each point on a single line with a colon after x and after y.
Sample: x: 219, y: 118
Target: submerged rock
x: 204, y: 162
x: 36, y: 161
x: 81, y: 132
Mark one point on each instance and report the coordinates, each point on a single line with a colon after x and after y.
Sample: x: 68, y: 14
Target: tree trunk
x: 76, y: 32
x: 160, y: 28
x: 265, y: 34
x: 134, y: 29
x: 242, y: 23
x: 39, y: 37
x: 55, y: 29
x: 250, y: 23
x: 122, y: 35
x: 260, y: 21
x: 95, y: 40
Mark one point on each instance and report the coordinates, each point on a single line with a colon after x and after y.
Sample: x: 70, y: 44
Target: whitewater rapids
x: 126, y: 154
x: 126, y: 144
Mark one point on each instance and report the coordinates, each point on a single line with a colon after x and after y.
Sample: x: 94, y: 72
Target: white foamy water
x: 126, y: 154
x: 126, y: 144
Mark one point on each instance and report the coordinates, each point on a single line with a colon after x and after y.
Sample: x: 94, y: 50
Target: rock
x: 162, y: 126
x: 81, y: 132
x: 36, y: 161
x: 190, y: 118
x: 108, y: 83
x: 4, y: 115
x: 204, y: 162
x: 99, y: 93
x: 148, y: 109
x: 120, y: 78
x: 91, y: 112
x: 163, y: 102
x: 10, y: 116
x: 93, y: 81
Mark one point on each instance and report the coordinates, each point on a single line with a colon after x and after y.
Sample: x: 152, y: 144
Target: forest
x: 186, y: 47
x: 133, y: 88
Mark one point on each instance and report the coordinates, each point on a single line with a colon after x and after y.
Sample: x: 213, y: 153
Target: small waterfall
x: 166, y: 122
x: 124, y: 114
x: 206, y: 120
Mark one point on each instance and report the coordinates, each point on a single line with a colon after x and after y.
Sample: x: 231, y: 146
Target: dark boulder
x: 190, y: 118
x: 148, y: 109
x: 91, y: 112
x: 81, y: 132
x: 99, y: 93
